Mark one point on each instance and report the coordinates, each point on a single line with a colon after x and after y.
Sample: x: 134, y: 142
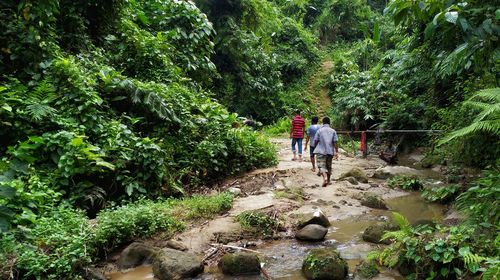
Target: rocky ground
x: 338, y: 201
x: 289, y: 192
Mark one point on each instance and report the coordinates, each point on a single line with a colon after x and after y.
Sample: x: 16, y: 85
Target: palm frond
x: 487, y: 121
x: 489, y: 94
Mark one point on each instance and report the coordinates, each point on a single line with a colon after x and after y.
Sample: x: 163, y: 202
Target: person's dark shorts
x: 324, y: 163
x: 311, y: 151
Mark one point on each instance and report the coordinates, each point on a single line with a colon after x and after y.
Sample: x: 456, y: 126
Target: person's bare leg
x: 325, y: 181
x: 328, y: 178
x: 313, y: 161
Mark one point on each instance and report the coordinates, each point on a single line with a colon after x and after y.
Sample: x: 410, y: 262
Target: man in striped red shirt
x: 297, y: 134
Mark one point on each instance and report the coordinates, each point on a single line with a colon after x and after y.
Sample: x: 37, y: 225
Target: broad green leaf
x: 451, y: 17
x: 78, y: 141
x: 7, y: 192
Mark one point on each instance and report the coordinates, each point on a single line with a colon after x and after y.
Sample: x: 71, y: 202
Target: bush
x: 58, y: 246
x: 116, y: 226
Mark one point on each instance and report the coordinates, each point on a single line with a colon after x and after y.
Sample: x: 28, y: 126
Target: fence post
x: 363, y: 144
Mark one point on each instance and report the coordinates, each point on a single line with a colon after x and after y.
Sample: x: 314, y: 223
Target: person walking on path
x: 325, y: 141
x: 311, y: 132
x: 297, y: 134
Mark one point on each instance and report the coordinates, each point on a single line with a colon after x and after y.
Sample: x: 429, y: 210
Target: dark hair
x: 297, y: 112
x: 315, y: 120
x: 326, y: 120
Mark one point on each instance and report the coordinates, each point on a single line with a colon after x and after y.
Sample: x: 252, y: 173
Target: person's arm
x: 316, y: 138
x: 307, y: 140
x: 291, y: 130
x: 334, y: 144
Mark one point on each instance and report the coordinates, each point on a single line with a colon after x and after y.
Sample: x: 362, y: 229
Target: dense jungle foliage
x: 109, y: 108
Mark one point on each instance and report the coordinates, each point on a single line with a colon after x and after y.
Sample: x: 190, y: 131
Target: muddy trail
x: 266, y: 190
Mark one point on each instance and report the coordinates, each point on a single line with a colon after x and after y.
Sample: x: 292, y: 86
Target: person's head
x: 315, y: 120
x: 326, y: 120
x: 297, y: 112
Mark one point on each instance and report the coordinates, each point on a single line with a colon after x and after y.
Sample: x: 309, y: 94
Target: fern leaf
x: 39, y: 111
x: 402, y: 222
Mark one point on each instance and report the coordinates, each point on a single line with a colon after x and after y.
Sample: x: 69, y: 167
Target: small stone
x: 373, y: 201
x: 351, y: 180
x: 342, y: 202
x: 349, y: 204
x: 317, y: 217
x: 357, y: 173
x: 176, y: 245
x: 311, y: 233
x: 235, y: 191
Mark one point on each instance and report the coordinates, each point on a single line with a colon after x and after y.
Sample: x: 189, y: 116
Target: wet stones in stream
x: 167, y: 263
x: 172, y: 264
x: 316, y: 218
x: 240, y: 263
x: 373, y: 201
x: 324, y: 263
x: 313, y: 227
x: 375, y: 232
x: 311, y: 233
x: 136, y: 254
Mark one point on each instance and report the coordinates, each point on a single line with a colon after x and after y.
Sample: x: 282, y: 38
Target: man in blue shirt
x: 325, y: 141
x: 311, y: 132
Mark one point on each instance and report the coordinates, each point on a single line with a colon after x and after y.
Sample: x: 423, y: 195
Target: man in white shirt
x: 325, y: 141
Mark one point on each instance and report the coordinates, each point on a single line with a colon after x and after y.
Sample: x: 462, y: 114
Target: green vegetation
x: 405, y: 183
x: 110, y: 108
x: 258, y: 223
x: 63, y: 242
x: 293, y: 193
x: 442, y: 194
x: 446, y: 252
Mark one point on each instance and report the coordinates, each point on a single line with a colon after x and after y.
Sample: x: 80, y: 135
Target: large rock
x: 375, y: 232
x: 373, y: 201
x: 357, y: 173
x: 324, y: 263
x: 315, y: 218
x: 240, y: 264
x: 311, y: 233
x: 170, y: 264
x: 391, y: 171
x: 137, y: 254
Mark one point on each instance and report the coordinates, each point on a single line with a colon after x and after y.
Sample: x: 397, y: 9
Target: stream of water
x: 284, y: 257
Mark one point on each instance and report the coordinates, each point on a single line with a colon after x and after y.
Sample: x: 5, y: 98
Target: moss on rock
x: 240, y: 264
x: 324, y: 263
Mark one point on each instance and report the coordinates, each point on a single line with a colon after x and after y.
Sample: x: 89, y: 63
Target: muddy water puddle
x: 143, y: 272
x: 283, y: 258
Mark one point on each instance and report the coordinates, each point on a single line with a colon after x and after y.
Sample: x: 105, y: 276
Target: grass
x: 258, y: 223
x: 295, y: 193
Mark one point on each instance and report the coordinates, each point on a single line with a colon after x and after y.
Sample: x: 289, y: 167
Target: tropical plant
x: 487, y: 121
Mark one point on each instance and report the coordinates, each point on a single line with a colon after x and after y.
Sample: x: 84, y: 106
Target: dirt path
x: 338, y: 201
x: 318, y: 90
